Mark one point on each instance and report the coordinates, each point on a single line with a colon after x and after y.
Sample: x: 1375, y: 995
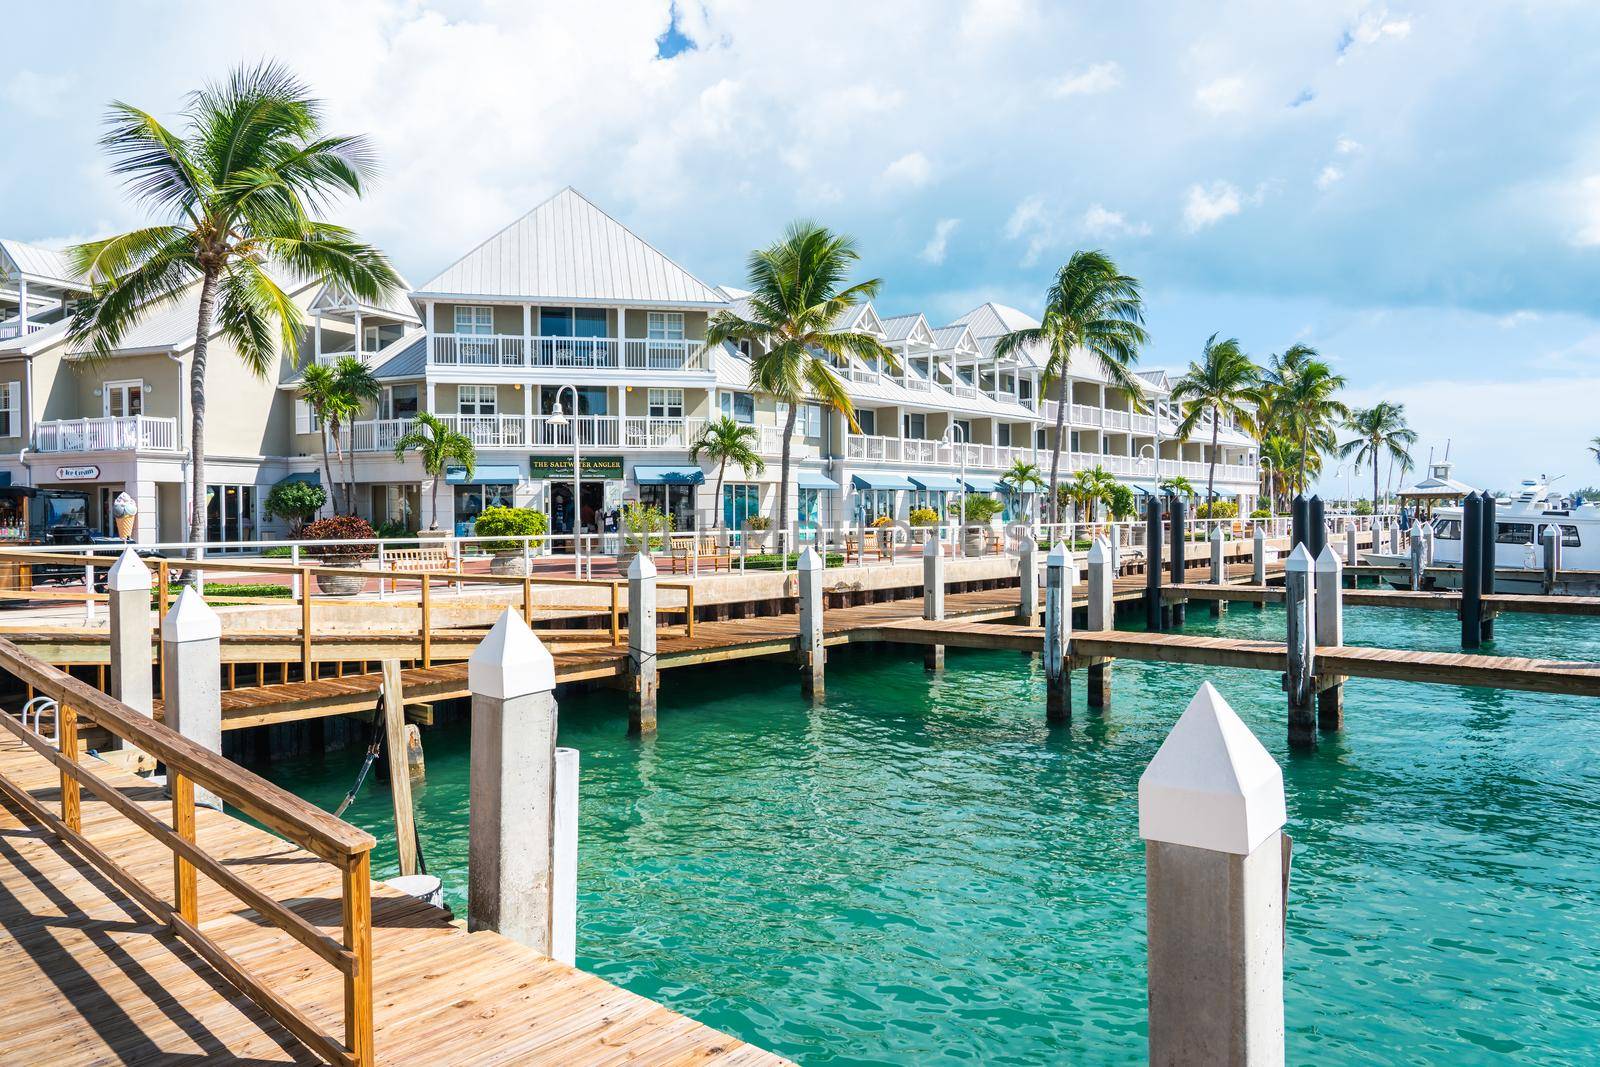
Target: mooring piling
x: 1211, y: 813
x: 1152, y: 565
x: 1316, y: 526
x: 1299, y: 520
x: 1351, y: 551
x: 1179, y: 532
x: 813, y: 653
x: 1551, y: 541
x: 1486, y: 562
x: 1299, y: 583
x: 1472, y: 571
x: 933, y: 594
x: 128, y: 609
x: 1258, y: 559
x: 1058, y: 634
x: 1329, y: 633
x: 1028, y: 580
x: 1394, y: 535
x: 191, y: 677
x: 1102, y: 616
x: 1427, y: 543
x: 513, y: 791
x: 1219, y: 570
x: 643, y: 670
x: 1418, y: 551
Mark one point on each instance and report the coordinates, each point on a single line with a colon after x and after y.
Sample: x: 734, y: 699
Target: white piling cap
x: 510, y: 661
x: 128, y: 572
x: 1059, y: 556
x: 642, y: 566
x: 809, y: 560
x: 934, y: 546
x: 1261, y: 533
x: 190, y: 619
x: 1416, y: 529
x: 1300, y: 559
x: 1211, y: 784
x: 1216, y: 533
x: 1328, y: 560
x: 1100, y: 552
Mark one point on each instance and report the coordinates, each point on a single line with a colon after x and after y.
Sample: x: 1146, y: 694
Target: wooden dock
x: 1425, y: 600
x: 91, y: 976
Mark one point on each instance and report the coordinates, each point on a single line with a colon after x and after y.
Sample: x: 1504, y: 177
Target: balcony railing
x: 671, y: 433
x: 378, y: 435
x: 581, y: 353
x: 544, y: 432
x: 13, y: 328
x: 143, y: 433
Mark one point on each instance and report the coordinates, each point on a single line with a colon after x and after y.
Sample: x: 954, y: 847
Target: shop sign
x: 559, y: 468
x: 86, y: 473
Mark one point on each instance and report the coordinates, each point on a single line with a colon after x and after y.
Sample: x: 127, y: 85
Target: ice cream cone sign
x: 125, y: 510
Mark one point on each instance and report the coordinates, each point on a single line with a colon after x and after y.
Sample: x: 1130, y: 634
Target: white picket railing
x: 13, y: 328
x: 125, y: 434
x: 671, y: 433
x: 580, y: 353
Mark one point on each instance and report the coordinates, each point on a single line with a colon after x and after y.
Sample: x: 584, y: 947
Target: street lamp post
x: 1267, y: 463
x: 558, y: 419
x: 961, y: 496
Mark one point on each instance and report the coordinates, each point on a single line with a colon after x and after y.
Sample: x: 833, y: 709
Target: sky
x: 1412, y: 189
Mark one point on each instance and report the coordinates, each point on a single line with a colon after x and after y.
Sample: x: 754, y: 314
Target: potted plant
x: 510, y: 523
x: 295, y: 502
x: 351, y: 528
x: 980, y: 511
x: 642, y: 525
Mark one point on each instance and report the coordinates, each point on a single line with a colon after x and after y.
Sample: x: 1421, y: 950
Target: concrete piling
x: 1258, y: 559
x: 933, y: 595
x: 1299, y: 606
x: 1299, y: 520
x: 1316, y: 526
x: 1491, y: 538
x: 511, y: 855
x: 128, y: 610
x: 1550, y: 541
x: 643, y: 671
x: 1179, y: 529
x: 1211, y: 813
x: 1329, y: 633
x: 1472, y: 571
x: 1351, y: 551
x: 813, y: 653
x: 1102, y: 575
x: 1152, y: 565
x: 1427, y: 544
x: 1418, y: 548
x: 191, y: 677
x: 1058, y: 634
x: 1219, y: 570
x: 1028, y: 580
x: 1394, y: 536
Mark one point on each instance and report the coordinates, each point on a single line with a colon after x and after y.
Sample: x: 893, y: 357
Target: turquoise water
x: 921, y: 871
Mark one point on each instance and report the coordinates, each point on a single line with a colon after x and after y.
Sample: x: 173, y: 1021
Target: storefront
x: 670, y: 490
x: 491, y: 485
x: 230, y: 513
x: 601, y: 490
x: 811, y: 485
x: 876, y: 494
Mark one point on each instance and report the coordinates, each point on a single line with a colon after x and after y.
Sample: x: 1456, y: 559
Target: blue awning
x: 309, y: 477
x: 1145, y: 487
x: 982, y: 483
x: 486, y: 474
x: 650, y: 475
x: 881, y: 480
x: 815, y: 480
x: 942, y: 482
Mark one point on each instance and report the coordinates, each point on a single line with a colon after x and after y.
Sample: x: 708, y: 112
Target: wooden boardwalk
x: 90, y: 977
x: 1425, y: 600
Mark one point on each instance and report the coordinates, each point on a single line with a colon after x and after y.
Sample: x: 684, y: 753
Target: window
x: 666, y: 325
x: 371, y: 339
x: 666, y: 403
x: 1514, y: 533
x: 592, y: 400
x: 1447, y: 529
x: 808, y: 423
x: 927, y: 498
x: 401, y: 402
x: 474, y: 320
x: 741, y: 407
x: 966, y: 430
x: 740, y: 501
x: 874, y: 503
x: 1002, y: 435
x: 674, y: 501
x: 1569, y: 536
x: 867, y: 419
x: 914, y: 427
x: 305, y: 418
x: 122, y: 399
x: 10, y: 424
x: 475, y: 399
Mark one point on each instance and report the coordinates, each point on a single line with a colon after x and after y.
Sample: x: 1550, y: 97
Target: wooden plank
x: 394, y: 739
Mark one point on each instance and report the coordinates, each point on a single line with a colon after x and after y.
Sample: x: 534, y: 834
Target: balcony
x: 542, y: 432
x: 876, y: 449
x: 13, y: 328
x: 134, y: 433
x: 566, y: 353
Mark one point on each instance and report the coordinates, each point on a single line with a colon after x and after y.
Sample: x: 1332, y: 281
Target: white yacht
x: 1520, y: 522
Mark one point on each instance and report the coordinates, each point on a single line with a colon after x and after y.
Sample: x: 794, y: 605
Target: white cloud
x: 985, y: 19
x: 1100, y: 78
x: 911, y: 170
x: 1030, y: 219
x: 934, y: 251
x: 1330, y: 176
x: 1205, y: 206
x: 1223, y: 95
x: 1100, y: 221
x: 1347, y: 146
x: 1585, y: 199
x: 1375, y: 26
x: 1517, y: 318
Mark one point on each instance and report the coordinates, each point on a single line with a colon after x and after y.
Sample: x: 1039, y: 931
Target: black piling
x: 1490, y: 539
x: 1472, y: 571
x: 1180, y: 564
x: 1299, y: 519
x: 1152, y: 564
x: 1316, y: 527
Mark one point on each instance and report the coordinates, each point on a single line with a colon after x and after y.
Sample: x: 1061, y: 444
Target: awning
x: 486, y: 474
x: 815, y: 480
x: 982, y: 483
x: 649, y: 475
x: 309, y: 477
x: 1145, y: 487
x: 941, y: 482
x: 881, y: 480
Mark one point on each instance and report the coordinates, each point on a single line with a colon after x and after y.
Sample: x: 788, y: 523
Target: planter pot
x: 340, y: 584
x: 972, y: 542
x: 510, y: 563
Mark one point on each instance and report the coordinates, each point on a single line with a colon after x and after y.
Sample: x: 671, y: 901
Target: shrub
x: 982, y: 508
x: 639, y: 521
x: 758, y: 522
x: 341, y: 528
x: 1219, y: 509
x: 510, y: 522
x: 923, y: 517
x: 881, y: 521
x: 295, y: 502
x: 1363, y: 507
x: 1120, y: 499
x: 1261, y: 513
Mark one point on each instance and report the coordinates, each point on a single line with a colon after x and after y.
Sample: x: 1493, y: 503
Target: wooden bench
x: 710, y: 554
x: 418, y: 559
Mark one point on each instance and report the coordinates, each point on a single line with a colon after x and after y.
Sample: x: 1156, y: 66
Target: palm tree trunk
x: 716, y: 501
x: 783, y: 476
x: 327, y: 467
x: 1305, y: 442
x: 1374, y: 483
x: 1055, y: 460
x: 436, y: 479
x: 197, y: 410
x: 1211, y: 473
x: 338, y: 450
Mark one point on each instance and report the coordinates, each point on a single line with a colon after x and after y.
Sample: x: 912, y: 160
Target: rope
x: 373, y: 748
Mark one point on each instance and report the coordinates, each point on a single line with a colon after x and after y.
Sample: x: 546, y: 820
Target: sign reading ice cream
x: 85, y: 473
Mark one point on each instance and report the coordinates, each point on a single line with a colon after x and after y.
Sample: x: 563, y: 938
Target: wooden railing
x: 188, y: 765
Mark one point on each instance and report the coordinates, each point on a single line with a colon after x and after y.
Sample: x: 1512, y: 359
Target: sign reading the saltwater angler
x: 559, y: 468
x: 77, y: 474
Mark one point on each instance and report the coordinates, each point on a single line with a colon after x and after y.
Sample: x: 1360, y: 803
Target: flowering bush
x: 340, y: 528
x: 923, y: 517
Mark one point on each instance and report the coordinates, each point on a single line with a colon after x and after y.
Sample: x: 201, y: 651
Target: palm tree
x: 1023, y: 477
x: 439, y: 446
x: 1223, y: 383
x: 797, y: 293
x: 723, y: 440
x: 237, y: 189
x: 1594, y: 447
x: 1302, y: 395
x: 1178, y: 485
x: 1380, y: 430
x: 356, y: 386
x: 320, y: 393
x: 1093, y: 308
x: 1283, y: 457
x: 1088, y: 488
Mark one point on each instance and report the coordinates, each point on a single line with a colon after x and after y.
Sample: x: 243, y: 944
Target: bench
x: 418, y: 559
x: 710, y: 554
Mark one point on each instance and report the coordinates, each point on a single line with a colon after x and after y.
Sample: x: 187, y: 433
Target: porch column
x: 527, y: 338
x: 22, y: 307
x: 317, y: 332
x: 427, y: 316
x: 361, y: 348
x: 622, y: 334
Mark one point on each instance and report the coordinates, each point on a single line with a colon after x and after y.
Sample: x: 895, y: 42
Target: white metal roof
x: 39, y: 264
x: 171, y: 326
x: 992, y: 320
x: 911, y: 329
x: 567, y: 249
x: 860, y: 317
x: 394, y: 305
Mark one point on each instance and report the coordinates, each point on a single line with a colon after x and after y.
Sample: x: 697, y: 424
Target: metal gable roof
x: 41, y: 264
x: 171, y: 326
x: 956, y: 338
x: 992, y: 320
x: 912, y: 328
x: 395, y: 304
x: 410, y: 358
x: 567, y: 249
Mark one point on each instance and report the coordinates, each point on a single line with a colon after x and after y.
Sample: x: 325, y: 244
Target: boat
x: 1520, y: 522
